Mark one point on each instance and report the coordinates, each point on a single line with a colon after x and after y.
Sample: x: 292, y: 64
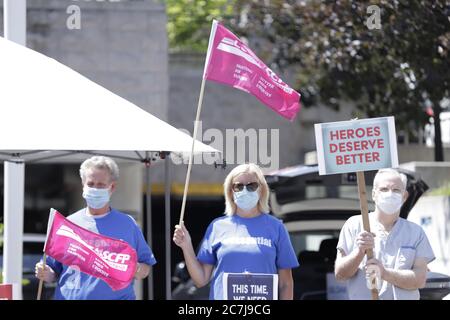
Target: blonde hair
x: 263, y: 202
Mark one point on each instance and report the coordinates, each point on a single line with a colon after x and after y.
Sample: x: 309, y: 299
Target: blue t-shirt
x: 236, y: 245
x: 75, y: 285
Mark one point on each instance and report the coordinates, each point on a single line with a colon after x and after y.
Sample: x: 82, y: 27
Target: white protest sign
x: 248, y: 286
x: 356, y: 145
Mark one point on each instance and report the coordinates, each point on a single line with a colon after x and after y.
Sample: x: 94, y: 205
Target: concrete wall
x: 121, y: 45
x: 418, y: 152
x: 435, y: 174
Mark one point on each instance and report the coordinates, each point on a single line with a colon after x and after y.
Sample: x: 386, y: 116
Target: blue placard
x: 356, y: 145
x: 247, y: 286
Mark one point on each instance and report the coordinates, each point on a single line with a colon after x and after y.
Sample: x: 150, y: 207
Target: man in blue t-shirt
x: 99, y: 176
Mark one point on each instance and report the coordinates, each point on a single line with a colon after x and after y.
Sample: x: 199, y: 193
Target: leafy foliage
x: 189, y: 22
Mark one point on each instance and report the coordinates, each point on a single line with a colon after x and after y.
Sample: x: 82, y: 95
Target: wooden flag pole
x: 51, y: 217
x: 365, y: 217
x: 191, y: 155
x: 41, y: 282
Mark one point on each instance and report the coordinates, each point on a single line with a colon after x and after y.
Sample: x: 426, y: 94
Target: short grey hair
x: 100, y: 162
x: 391, y: 172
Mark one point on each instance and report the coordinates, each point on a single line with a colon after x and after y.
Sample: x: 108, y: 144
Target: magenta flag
x: 114, y: 261
x: 230, y: 61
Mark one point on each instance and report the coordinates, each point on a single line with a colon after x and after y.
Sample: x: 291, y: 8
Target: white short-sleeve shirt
x: 396, y: 250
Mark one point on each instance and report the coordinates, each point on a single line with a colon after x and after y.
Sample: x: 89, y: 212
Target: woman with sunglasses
x: 247, y: 240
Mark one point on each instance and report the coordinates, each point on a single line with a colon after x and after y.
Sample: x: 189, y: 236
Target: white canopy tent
x: 48, y: 106
x: 48, y: 110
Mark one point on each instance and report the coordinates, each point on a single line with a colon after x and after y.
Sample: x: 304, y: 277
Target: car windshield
x: 312, y: 186
x: 311, y: 240
x: 341, y: 192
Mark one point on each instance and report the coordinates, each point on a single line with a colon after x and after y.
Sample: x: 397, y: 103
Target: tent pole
x: 13, y: 208
x: 15, y: 21
x: 167, y: 225
x: 148, y: 203
x: 15, y: 29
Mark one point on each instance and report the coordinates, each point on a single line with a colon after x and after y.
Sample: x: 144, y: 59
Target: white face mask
x: 389, y: 202
x: 96, y: 198
x: 245, y: 199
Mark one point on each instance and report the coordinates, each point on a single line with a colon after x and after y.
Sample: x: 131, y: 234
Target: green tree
x: 189, y: 22
x: 338, y: 52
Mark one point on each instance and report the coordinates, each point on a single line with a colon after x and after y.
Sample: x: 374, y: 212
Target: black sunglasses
x: 251, y: 186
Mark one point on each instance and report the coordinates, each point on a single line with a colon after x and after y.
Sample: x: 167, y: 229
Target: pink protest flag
x: 6, y: 291
x: 231, y: 62
x: 111, y: 260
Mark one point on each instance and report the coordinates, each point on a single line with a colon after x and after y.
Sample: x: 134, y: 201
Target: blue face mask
x: 96, y: 198
x: 245, y: 199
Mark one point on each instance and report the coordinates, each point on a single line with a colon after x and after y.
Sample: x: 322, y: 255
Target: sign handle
x: 365, y: 217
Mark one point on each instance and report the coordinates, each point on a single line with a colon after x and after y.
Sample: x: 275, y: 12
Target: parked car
x: 314, y: 209
x: 186, y: 289
x: 33, y: 245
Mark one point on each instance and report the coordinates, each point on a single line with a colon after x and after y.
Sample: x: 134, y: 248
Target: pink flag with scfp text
x: 114, y: 261
x: 231, y: 62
